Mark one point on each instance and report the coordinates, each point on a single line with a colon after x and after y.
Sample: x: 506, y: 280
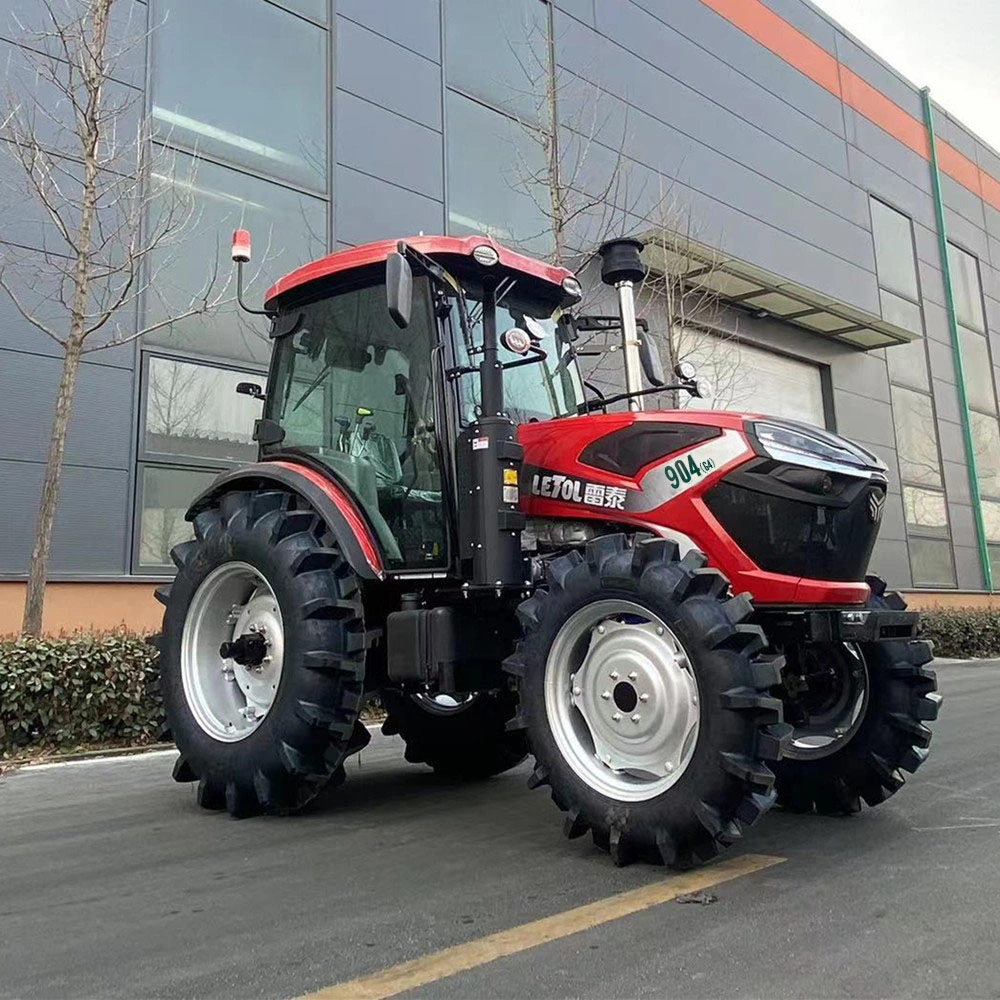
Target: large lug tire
x: 268, y: 560
x: 888, y: 735
x: 459, y: 738
x: 706, y: 707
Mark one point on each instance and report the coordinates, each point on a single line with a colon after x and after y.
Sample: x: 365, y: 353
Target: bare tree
x: 108, y: 196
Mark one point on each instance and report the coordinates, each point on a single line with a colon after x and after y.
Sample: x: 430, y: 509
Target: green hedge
x: 963, y: 633
x: 77, y: 690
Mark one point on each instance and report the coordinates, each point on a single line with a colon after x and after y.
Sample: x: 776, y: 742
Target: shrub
x: 963, y: 633
x: 78, y: 689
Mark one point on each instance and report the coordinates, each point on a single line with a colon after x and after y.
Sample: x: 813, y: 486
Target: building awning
x: 769, y: 295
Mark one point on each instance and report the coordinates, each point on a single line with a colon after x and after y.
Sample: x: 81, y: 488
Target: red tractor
x: 669, y: 610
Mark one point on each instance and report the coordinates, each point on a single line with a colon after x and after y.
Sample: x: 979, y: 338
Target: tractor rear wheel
x: 460, y: 737
x: 262, y: 655
x: 645, y: 702
x: 858, y: 723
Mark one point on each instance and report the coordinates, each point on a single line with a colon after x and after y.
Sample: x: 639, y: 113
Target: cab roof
x: 433, y: 246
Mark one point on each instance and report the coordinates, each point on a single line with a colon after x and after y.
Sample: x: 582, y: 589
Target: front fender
x: 328, y: 499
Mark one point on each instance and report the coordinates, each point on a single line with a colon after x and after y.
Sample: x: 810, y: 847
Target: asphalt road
x: 114, y: 884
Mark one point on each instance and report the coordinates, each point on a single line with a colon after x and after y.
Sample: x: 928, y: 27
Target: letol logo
x: 876, y: 504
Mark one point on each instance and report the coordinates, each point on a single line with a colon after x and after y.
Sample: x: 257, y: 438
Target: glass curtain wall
x: 239, y: 96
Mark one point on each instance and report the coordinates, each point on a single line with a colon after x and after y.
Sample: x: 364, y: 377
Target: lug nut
x: 636, y: 717
x: 616, y: 717
x: 632, y: 676
x: 613, y: 675
x: 659, y: 630
x: 644, y: 697
x: 576, y: 690
x: 668, y: 767
x: 600, y: 630
x: 605, y: 695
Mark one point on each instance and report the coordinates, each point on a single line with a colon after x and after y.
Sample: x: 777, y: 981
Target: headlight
x: 803, y: 445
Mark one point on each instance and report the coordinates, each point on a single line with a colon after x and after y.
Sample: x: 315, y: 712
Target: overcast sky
x: 951, y: 46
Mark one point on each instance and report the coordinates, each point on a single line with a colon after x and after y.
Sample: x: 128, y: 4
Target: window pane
x: 986, y: 442
x: 499, y: 53
x: 924, y: 508
x: 894, y: 257
x: 978, y: 372
x: 490, y: 162
x: 355, y: 392
x: 908, y: 364
x: 965, y: 284
x: 899, y: 312
x: 916, y: 440
x: 991, y: 519
x: 244, y: 81
x: 288, y: 229
x: 752, y: 379
x: 930, y: 562
x: 195, y: 410
x: 166, y: 496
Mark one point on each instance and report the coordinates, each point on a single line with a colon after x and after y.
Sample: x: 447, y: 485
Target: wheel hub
x: 232, y: 651
x: 622, y: 700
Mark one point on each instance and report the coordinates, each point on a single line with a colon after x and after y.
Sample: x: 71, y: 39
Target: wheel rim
x: 444, y: 704
x: 229, y: 699
x: 622, y: 700
x: 835, y: 704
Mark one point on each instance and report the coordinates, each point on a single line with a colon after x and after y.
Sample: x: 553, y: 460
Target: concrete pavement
x: 114, y: 884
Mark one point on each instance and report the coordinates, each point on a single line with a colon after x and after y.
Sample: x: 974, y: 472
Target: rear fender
x: 328, y: 499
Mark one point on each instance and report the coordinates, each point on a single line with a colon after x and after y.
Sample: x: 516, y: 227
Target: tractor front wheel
x: 645, y: 702
x: 858, y: 717
x: 262, y: 655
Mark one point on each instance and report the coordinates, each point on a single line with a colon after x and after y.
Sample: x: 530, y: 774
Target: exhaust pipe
x: 622, y: 267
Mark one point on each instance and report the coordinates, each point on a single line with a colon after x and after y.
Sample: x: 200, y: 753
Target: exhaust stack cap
x: 620, y: 261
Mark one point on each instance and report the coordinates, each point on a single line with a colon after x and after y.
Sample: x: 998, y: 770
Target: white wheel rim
x: 622, y: 700
x: 228, y: 699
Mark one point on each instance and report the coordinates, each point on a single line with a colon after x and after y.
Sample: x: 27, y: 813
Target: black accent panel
x: 627, y: 450
x: 252, y: 476
x: 797, y: 537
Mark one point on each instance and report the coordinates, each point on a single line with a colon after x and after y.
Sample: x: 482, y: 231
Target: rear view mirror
x: 399, y: 289
x: 649, y: 355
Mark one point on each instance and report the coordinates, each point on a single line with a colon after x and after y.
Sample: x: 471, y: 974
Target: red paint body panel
x: 556, y: 446
x: 373, y: 253
x: 346, y: 507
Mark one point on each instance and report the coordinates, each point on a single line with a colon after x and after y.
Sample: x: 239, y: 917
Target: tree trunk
x: 35, y: 597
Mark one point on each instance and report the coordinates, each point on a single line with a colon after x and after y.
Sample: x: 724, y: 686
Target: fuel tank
x: 788, y: 512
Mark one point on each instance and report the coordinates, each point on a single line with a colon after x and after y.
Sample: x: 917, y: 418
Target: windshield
x: 539, y: 391
x: 355, y: 392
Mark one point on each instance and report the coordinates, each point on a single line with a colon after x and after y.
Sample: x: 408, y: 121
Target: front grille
x: 796, y: 537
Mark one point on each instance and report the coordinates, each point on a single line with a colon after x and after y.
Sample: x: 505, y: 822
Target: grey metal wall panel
x: 19, y: 335
x: 932, y: 290
x: 808, y: 20
x: 89, y: 533
x: 372, y: 209
x: 950, y: 440
x: 901, y: 160
x: 954, y: 133
x: 968, y: 568
x: 100, y: 429
x: 415, y: 24
x: 956, y: 484
x: 865, y: 374
x: 962, y: 207
x: 582, y: 10
x: 946, y: 399
x: 385, y: 145
x: 891, y: 561
x: 381, y: 71
x: 893, y: 526
x: 988, y: 158
x: 698, y: 72
x: 928, y: 249
x: 942, y: 366
x: 863, y: 418
x: 879, y: 75
x: 736, y: 49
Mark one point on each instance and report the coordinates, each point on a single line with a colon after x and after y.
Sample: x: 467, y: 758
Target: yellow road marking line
x: 461, y: 957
